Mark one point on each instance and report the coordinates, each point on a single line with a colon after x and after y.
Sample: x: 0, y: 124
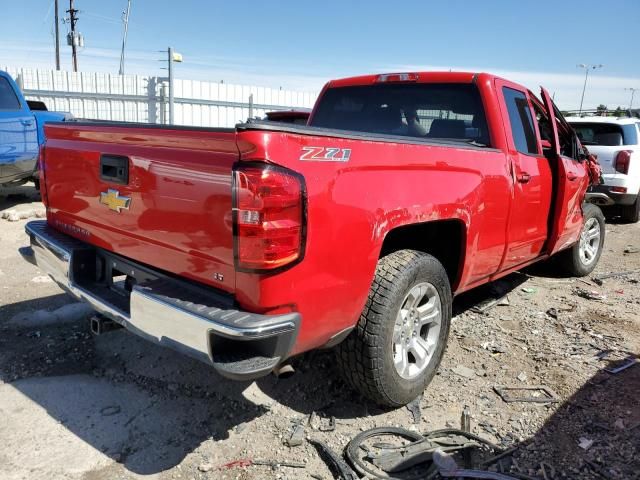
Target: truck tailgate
x: 158, y: 195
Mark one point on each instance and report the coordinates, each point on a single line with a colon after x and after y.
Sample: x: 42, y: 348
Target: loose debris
x: 600, y: 278
x: 247, y: 462
x: 110, y: 410
x: 296, y: 437
x: 386, y: 451
x: 463, y: 371
x: 17, y: 215
x: 538, y: 394
x: 328, y: 426
x: 589, y: 294
x: 414, y: 409
x: 617, y: 361
x: 553, y: 335
x: 336, y: 464
x: 490, y: 303
x: 585, y: 443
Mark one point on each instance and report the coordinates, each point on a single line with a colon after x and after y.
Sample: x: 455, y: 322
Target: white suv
x: 616, y: 143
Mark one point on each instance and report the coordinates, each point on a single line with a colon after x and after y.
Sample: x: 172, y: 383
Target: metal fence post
x: 170, y: 66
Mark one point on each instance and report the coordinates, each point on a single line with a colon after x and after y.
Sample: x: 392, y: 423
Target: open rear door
x: 571, y: 182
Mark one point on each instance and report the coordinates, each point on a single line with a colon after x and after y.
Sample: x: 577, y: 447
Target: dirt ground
x: 74, y: 406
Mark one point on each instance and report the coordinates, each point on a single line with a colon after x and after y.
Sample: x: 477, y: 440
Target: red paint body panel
x: 180, y: 188
x: 180, y: 214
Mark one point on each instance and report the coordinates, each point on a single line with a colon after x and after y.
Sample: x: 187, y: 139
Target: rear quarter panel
x: 353, y: 205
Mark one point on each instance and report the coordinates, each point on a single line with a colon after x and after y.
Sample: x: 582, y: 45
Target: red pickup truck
x: 246, y: 246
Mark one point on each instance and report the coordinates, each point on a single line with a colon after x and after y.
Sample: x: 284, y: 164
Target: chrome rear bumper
x: 170, y: 312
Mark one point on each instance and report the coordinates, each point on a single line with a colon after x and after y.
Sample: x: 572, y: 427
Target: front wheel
x: 398, y: 343
x: 582, y: 258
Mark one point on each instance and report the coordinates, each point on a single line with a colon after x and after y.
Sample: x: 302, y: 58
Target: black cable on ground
x: 334, y: 462
x: 353, y: 454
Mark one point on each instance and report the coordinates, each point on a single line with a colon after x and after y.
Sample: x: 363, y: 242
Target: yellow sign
x: 112, y: 199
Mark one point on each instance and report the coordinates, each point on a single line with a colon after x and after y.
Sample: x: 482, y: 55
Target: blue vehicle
x: 21, y: 133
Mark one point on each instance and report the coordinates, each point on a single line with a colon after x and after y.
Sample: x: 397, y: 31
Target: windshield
x: 452, y: 111
x: 606, y: 134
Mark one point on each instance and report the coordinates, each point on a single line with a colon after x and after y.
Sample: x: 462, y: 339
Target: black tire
x: 631, y: 213
x: 366, y: 357
x: 570, y: 261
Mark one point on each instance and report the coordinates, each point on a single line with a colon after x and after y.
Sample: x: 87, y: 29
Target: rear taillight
x: 43, y: 185
x: 268, y: 217
x: 623, y: 158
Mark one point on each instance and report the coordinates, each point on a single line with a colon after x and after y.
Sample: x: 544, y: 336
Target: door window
x: 8, y: 99
x: 522, y: 129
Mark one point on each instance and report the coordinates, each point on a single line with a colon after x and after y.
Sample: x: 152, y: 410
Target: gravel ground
x: 74, y: 406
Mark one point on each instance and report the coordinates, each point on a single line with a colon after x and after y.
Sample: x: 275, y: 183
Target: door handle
x: 571, y: 176
x: 523, y: 177
x: 26, y: 123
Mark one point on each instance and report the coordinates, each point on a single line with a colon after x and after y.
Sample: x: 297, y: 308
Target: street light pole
x: 170, y: 66
x: 633, y: 91
x: 57, y: 29
x: 586, y: 76
x: 172, y: 57
x: 125, y: 20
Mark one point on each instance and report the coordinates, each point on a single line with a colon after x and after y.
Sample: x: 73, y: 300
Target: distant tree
x: 619, y: 112
x: 602, y: 109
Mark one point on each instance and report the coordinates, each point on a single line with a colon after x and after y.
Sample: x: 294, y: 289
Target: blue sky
x: 299, y: 45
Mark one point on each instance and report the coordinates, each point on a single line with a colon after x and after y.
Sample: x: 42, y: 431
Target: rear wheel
x: 582, y: 258
x: 631, y: 213
x: 394, y: 351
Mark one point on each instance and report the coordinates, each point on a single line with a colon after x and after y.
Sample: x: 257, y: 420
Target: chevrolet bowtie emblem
x: 112, y: 199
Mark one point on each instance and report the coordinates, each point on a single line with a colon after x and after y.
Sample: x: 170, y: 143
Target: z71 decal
x: 325, y: 154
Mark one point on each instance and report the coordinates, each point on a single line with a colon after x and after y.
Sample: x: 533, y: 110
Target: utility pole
x: 125, y: 19
x: 633, y: 91
x: 586, y: 75
x: 74, y: 39
x: 57, y: 29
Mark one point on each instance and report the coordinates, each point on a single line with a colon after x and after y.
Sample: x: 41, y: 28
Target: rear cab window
x: 425, y: 110
x: 606, y: 134
x: 8, y: 98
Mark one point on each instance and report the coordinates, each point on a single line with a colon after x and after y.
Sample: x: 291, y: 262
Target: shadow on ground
x: 147, y: 407
x: 13, y: 196
x: 604, y: 415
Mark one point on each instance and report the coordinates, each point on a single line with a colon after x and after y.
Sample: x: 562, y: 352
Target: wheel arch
x: 443, y: 239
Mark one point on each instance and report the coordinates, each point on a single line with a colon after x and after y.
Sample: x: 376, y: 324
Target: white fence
x: 135, y: 98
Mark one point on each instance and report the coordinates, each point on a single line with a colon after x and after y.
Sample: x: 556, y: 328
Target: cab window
x: 522, y: 129
x: 425, y: 110
x: 8, y: 99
